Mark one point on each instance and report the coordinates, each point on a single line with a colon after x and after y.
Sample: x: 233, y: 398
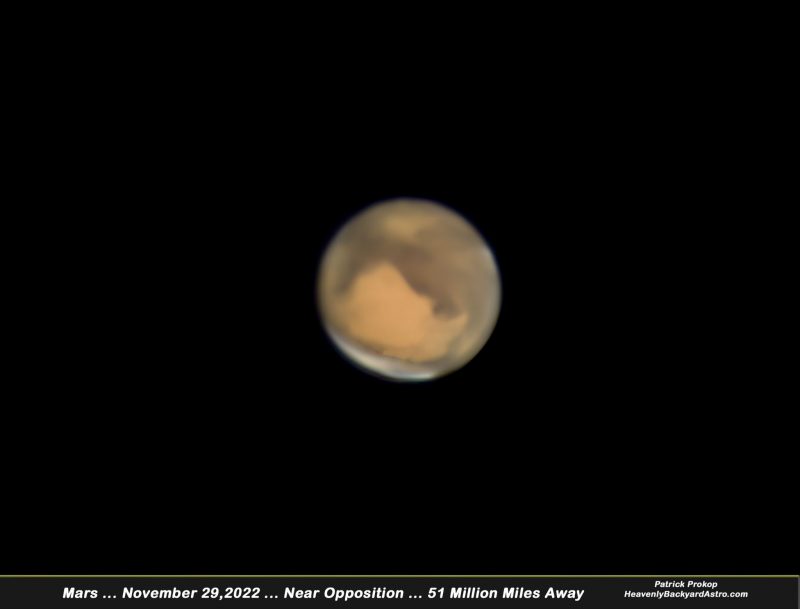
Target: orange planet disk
x: 408, y: 290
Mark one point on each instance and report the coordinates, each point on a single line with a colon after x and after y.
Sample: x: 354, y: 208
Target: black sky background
x: 175, y: 406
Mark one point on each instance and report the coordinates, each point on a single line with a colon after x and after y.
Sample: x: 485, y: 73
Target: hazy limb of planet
x: 408, y: 290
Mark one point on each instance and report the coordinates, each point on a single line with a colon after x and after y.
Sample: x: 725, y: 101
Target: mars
x: 408, y: 290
